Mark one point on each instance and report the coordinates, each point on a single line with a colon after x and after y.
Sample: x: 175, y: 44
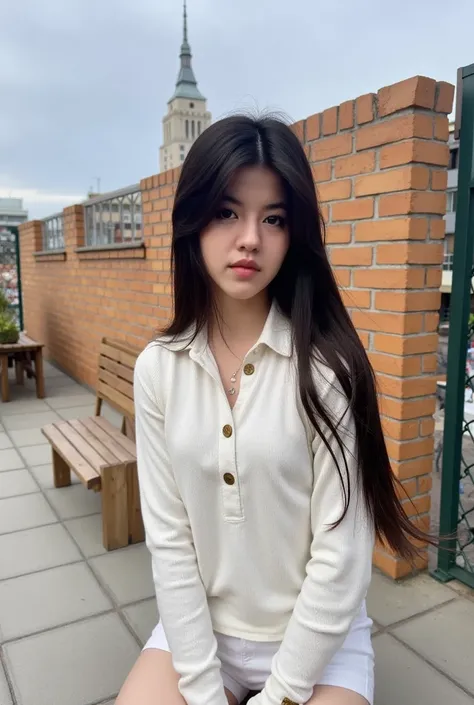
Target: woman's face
x: 244, y: 246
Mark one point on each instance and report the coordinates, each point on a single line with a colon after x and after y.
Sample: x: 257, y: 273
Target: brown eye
x: 277, y: 220
x: 225, y: 214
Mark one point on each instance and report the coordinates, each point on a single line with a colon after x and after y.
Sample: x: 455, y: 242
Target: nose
x: 249, y: 235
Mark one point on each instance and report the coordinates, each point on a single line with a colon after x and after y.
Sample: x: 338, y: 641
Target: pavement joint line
x: 55, y: 627
x: 428, y: 661
x: 28, y: 528
x: 3, y: 663
x: 23, y: 494
x: 42, y: 570
x: 422, y: 613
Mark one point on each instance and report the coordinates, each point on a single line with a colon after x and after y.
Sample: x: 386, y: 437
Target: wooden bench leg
x: 114, y: 507
x: 61, y: 471
x: 39, y: 373
x: 136, y: 529
x: 4, y: 381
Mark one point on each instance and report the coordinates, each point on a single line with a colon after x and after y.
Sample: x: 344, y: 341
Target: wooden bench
x: 102, y: 456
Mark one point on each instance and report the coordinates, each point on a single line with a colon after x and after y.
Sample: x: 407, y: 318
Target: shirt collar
x: 276, y: 335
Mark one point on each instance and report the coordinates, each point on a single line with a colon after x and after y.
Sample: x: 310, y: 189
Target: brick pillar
x: 157, y: 199
x: 74, y: 231
x: 31, y: 241
x: 380, y: 166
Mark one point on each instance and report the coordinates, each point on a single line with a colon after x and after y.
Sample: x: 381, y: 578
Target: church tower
x: 187, y: 114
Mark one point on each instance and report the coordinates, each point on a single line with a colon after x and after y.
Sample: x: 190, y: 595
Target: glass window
x: 451, y: 203
x: 181, y: 147
x: 192, y: 129
x: 182, y: 157
x: 454, y: 158
x: 187, y: 129
x: 199, y: 127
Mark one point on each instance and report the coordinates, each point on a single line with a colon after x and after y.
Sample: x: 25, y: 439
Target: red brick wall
x: 380, y: 166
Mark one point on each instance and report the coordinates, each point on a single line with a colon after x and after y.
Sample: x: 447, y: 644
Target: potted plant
x: 9, y: 331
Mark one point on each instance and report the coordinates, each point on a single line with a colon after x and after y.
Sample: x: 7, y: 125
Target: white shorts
x: 246, y: 665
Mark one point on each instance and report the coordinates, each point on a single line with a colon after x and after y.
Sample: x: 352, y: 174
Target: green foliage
x: 9, y: 332
x: 3, y: 301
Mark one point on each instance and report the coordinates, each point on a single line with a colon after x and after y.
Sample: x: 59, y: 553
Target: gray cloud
x: 84, y: 83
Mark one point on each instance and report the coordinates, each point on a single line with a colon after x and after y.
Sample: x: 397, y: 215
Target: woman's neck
x: 239, y: 322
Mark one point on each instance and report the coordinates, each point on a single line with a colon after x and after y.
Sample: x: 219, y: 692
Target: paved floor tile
x: 29, y: 421
x: 36, y: 455
x: 24, y: 406
x: 77, y: 412
x: 16, y: 482
x: 402, y: 678
x: 43, y: 475
x: 126, y: 573
x: 5, y: 441
x: 32, y: 603
x: 36, y: 549
x: 445, y: 637
x: 27, y: 437
x: 85, y: 399
x: 63, y: 386
x: 10, y: 460
x: 50, y: 367
x: 389, y: 602
x: 74, y: 501
x: 74, y: 665
x: 25, y: 512
x: 111, y: 415
x: 143, y: 618
x: 87, y: 532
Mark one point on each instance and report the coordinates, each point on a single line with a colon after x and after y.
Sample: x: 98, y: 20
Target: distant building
x: 12, y: 212
x: 450, y: 218
x: 187, y: 114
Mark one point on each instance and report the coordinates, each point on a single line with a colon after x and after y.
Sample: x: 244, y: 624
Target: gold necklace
x: 233, y: 379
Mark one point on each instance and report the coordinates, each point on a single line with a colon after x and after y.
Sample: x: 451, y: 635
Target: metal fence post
x: 458, y: 340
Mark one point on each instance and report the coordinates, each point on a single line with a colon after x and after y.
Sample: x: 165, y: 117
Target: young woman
x: 263, y: 471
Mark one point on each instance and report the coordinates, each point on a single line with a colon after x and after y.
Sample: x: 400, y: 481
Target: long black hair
x: 305, y: 290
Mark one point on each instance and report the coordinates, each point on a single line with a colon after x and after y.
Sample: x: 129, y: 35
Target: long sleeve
x: 337, y: 574
x: 180, y: 593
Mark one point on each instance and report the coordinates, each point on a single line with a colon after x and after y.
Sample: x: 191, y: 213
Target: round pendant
x: 232, y: 391
x: 233, y: 379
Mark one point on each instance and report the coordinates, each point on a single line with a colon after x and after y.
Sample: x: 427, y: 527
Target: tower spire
x: 185, y: 24
x: 186, y: 84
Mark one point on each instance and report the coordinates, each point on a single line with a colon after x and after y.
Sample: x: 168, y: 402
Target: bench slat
x: 109, y: 442
x: 82, y: 446
x: 117, y: 398
x: 108, y: 456
x: 117, y: 435
x: 116, y: 368
x: 88, y: 476
x: 118, y: 354
x: 115, y: 382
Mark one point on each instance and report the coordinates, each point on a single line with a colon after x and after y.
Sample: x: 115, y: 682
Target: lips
x: 246, y: 264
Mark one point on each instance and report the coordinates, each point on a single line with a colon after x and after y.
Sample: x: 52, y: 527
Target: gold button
x: 249, y: 369
x: 229, y: 479
x: 227, y: 430
x: 287, y: 701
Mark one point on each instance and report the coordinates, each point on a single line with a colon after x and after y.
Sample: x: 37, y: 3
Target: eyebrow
x: 268, y: 207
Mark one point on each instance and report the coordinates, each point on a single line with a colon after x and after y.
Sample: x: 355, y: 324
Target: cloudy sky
x: 84, y: 83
